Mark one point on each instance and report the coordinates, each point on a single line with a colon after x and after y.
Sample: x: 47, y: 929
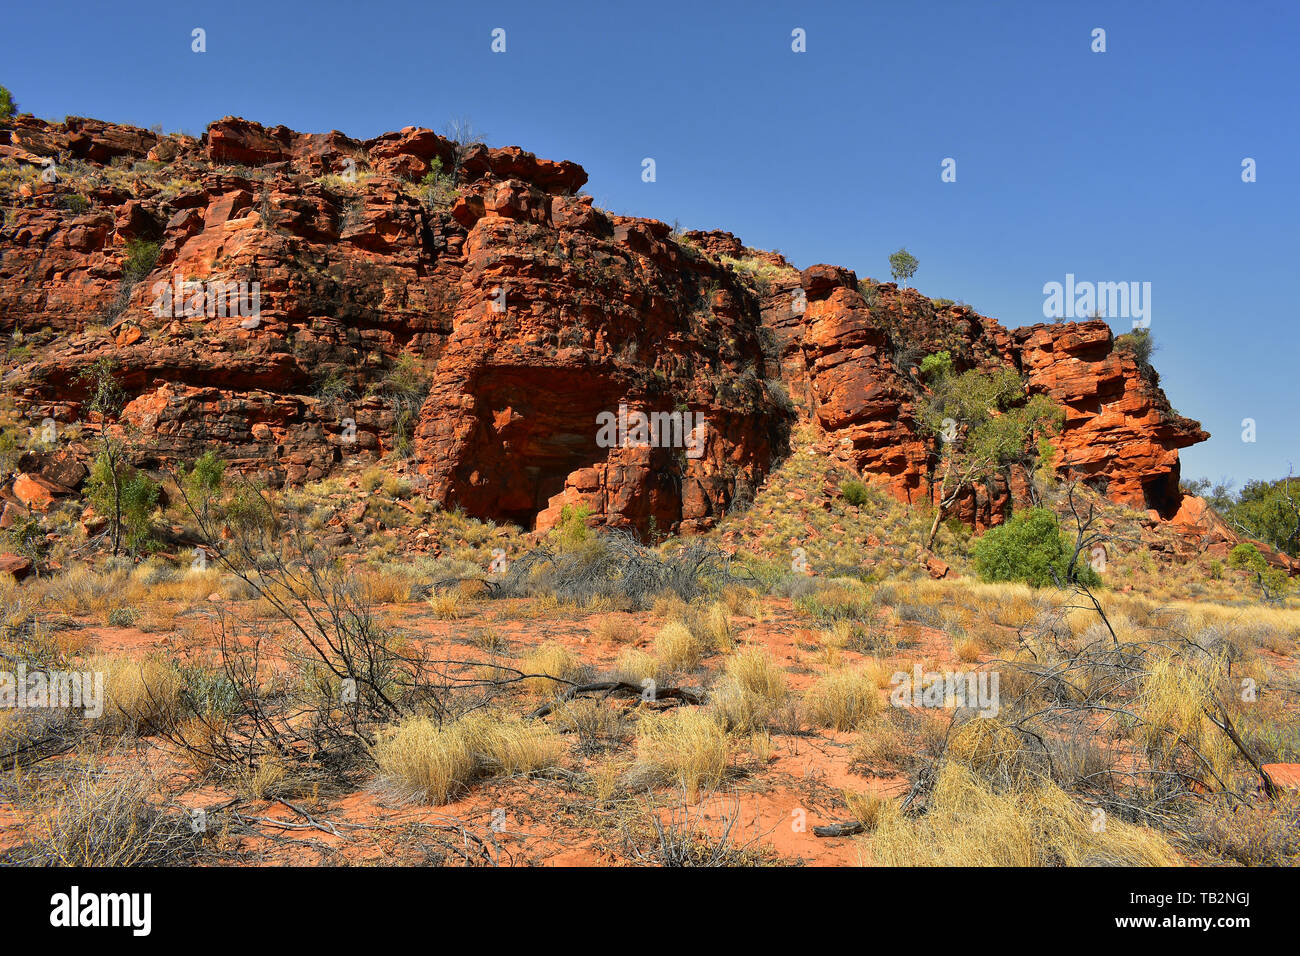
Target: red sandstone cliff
x: 856, y: 361
x: 529, y: 313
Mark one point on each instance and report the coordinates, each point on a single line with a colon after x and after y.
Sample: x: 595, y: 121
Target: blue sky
x: 1116, y: 166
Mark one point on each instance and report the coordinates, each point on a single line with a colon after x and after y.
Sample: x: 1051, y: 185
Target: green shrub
x: 1246, y: 556
x: 404, y: 389
x: 1029, y: 548
x: 572, y: 531
x: 202, y: 483
x: 26, y: 536
x: 139, y: 502
x: 140, y: 259
x: 855, y: 493
x: 248, y: 511
x: 1268, y: 511
x: 1139, y: 344
x: 205, y: 474
x: 936, y: 367
x: 439, y: 186
x: 10, y: 449
x: 434, y: 174
x: 1273, y: 582
x: 122, y: 617
x: 125, y: 496
x: 8, y: 108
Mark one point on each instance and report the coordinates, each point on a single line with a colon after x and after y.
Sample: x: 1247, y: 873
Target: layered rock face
x: 856, y: 362
x: 293, y: 300
x: 525, y: 313
x: 1120, y: 430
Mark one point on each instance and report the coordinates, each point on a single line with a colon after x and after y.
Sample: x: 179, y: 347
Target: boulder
x: 15, y: 565
x: 37, y: 493
x: 1285, y: 776
x: 60, y: 467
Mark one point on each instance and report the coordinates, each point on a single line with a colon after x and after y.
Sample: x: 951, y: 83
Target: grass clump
x: 678, y: 647
x: 990, y: 748
x: 139, y: 695
x: 855, y: 493
x: 102, y: 817
x: 446, y: 605
x: 616, y: 629
x: 552, y: 666
x: 636, y: 667
x: 843, y: 599
x: 715, y: 627
x: 421, y: 761
x: 969, y: 823
x: 751, y: 692
x: 686, y: 746
x: 842, y: 699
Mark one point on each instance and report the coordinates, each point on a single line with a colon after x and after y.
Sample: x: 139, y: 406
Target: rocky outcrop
x: 483, y: 325
x: 856, y: 362
x: 294, y: 300
x: 1120, y: 431
x: 1200, y: 531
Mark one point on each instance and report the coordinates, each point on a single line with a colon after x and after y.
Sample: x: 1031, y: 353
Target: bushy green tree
x: 1218, y: 495
x: 201, y: 484
x: 1273, y: 582
x: 1270, y: 511
x: 8, y: 107
x: 1030, y: 548
x: 206, y: 474
x: 984, y: 422
x: 936, y: 367
x: 125, y: 496
x: 1267, y: 511
x: 139, y: 502
x: 1245, y: 556
x: 903, y: 265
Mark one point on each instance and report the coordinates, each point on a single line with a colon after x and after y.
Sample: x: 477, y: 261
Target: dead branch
x: 618, y: 688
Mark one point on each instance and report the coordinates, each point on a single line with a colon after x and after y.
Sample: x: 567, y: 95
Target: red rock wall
x: 600, y: 310
x: 1119, y: 427
x: 856, y: 361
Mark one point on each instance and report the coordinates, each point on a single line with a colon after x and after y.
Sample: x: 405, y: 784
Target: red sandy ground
x: 544, y: 820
